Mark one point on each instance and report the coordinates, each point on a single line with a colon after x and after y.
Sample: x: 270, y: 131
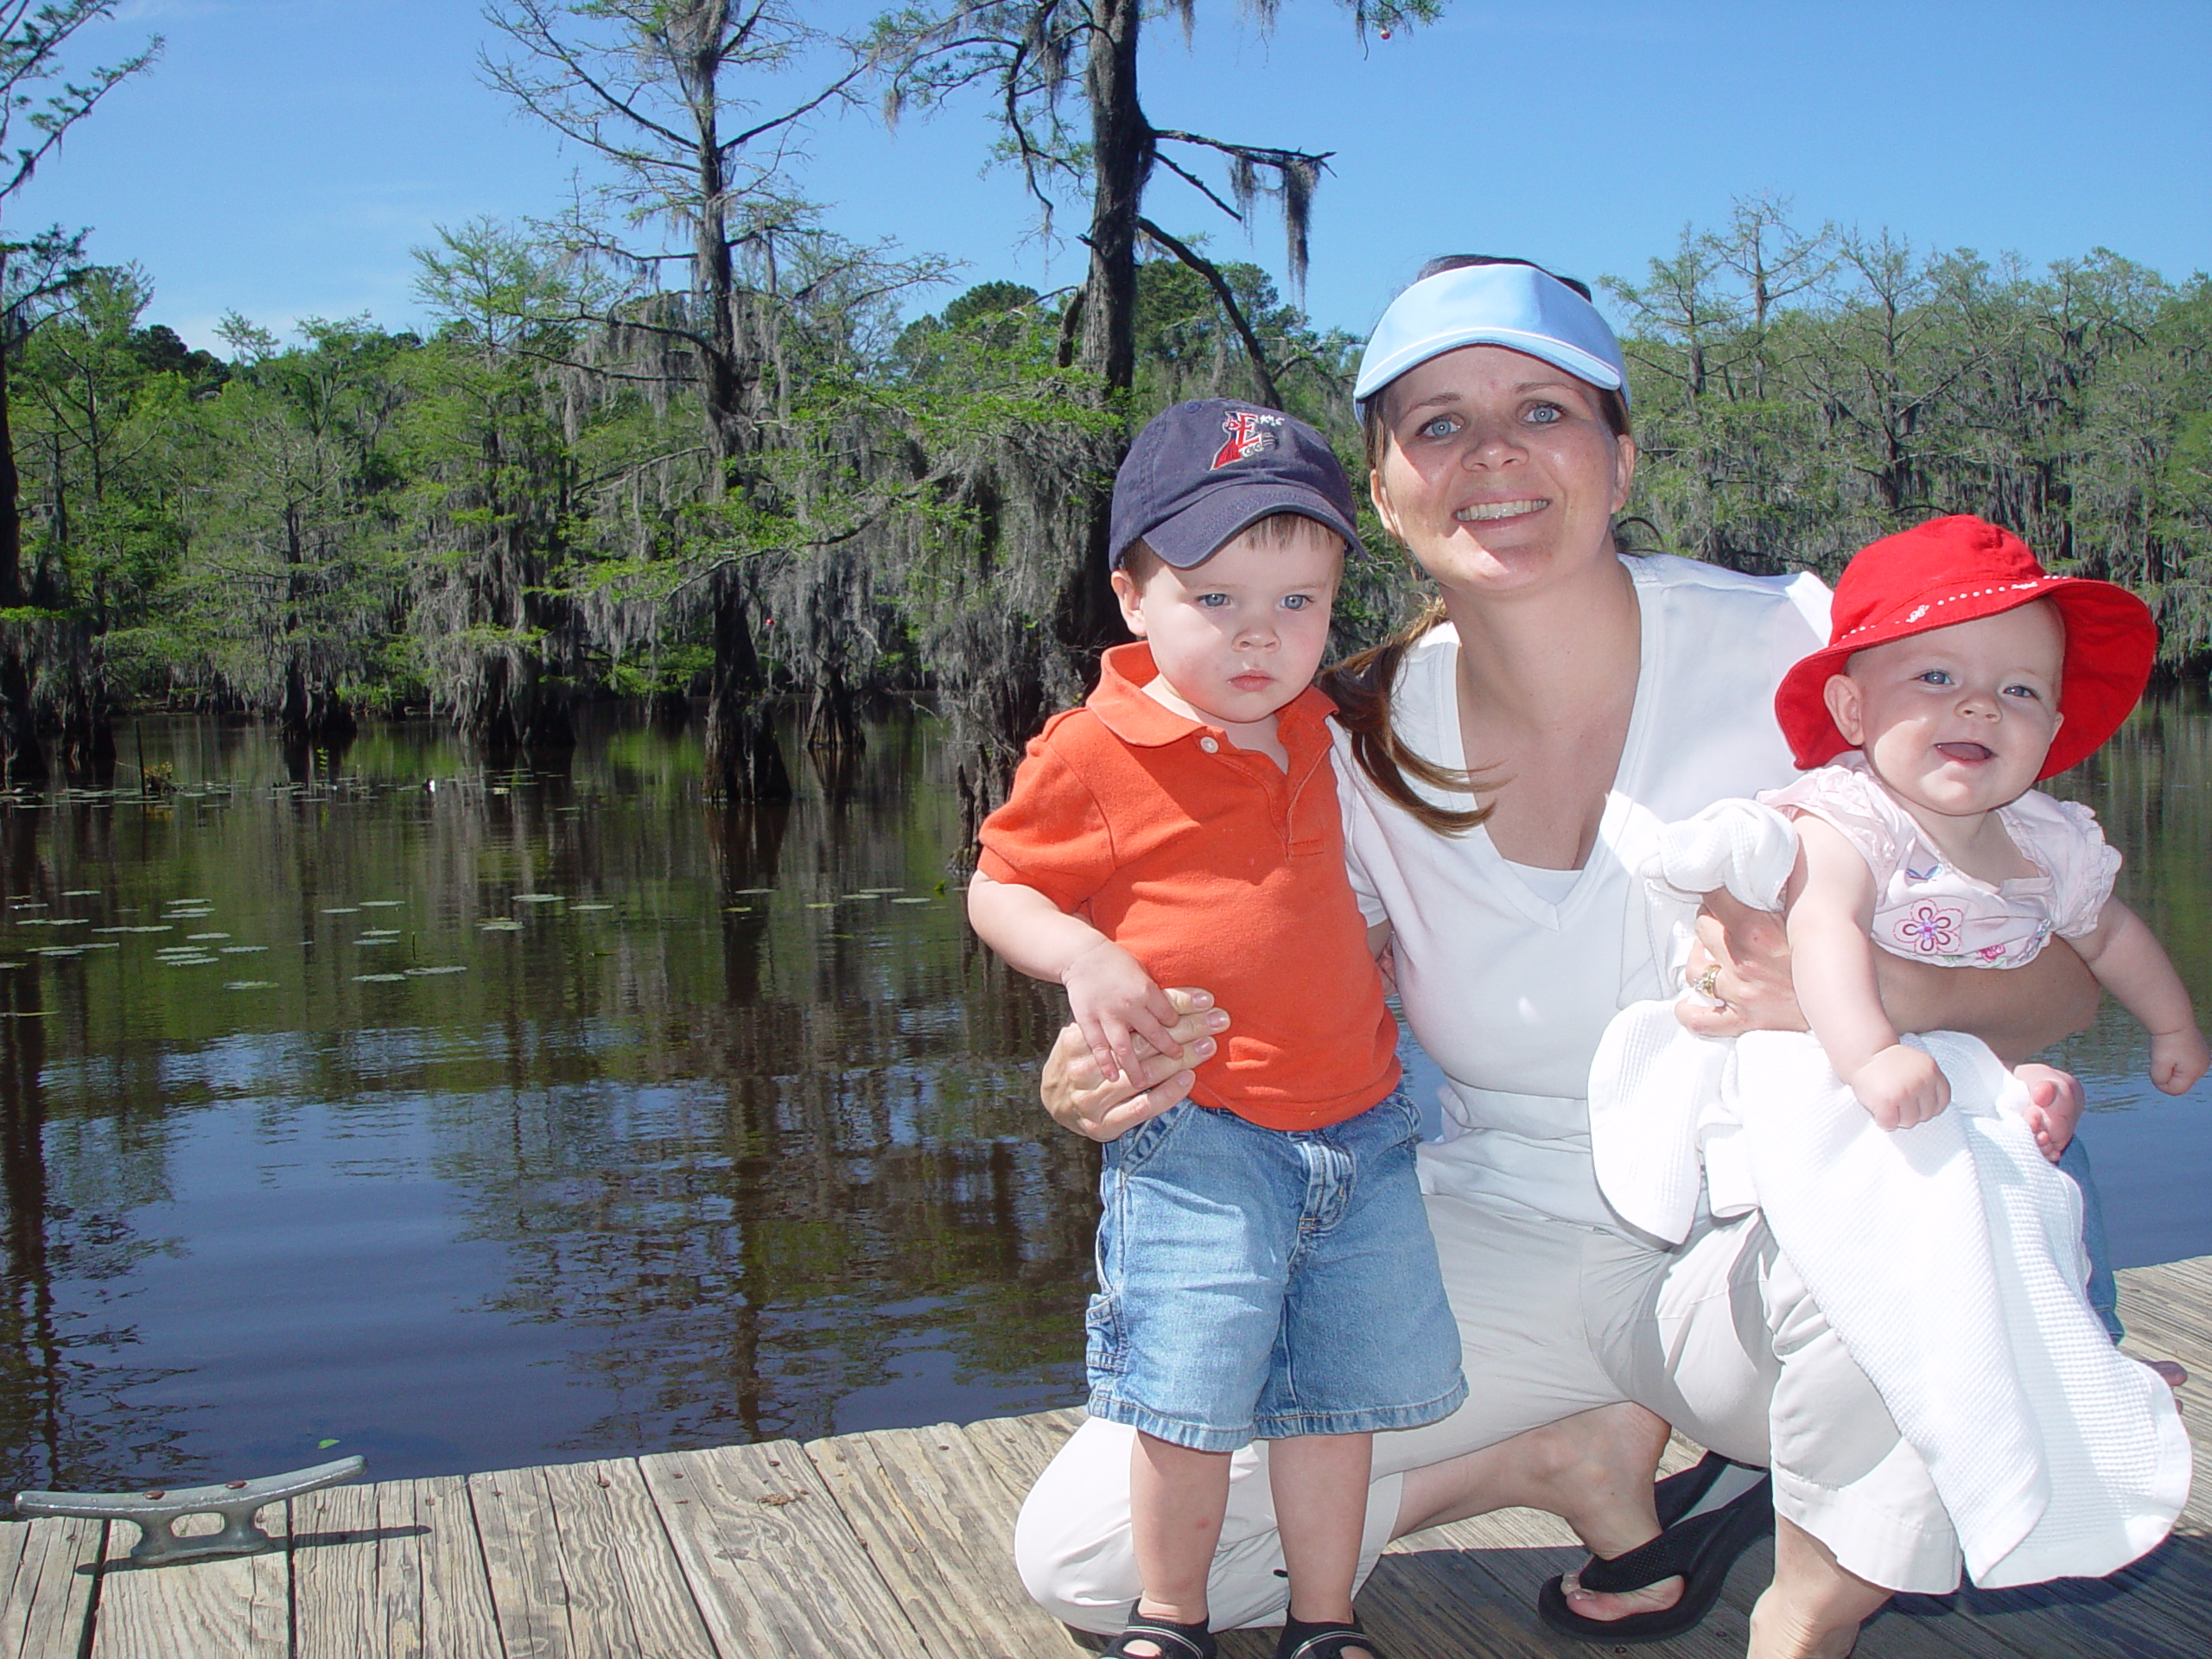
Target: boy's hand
x: 2053, y: 1107
x: 1901, y: 1087
x: 2178, y: 1059
x: 1115, y: 1001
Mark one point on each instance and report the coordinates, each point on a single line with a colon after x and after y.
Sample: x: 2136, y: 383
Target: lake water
x: 466, y: 1120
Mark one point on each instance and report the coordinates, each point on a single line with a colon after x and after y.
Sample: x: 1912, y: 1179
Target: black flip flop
x: 1300, y: 1640
x: 1170, y: 1641
x: 1700, y: 1549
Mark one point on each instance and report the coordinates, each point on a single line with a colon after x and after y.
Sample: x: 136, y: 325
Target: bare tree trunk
x: 1120, y: 160
x: 744, y: 760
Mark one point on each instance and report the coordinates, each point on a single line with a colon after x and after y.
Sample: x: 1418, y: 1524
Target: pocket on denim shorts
x: 1129, y: 1152
x: 1105, y: 1347
x: 1404, y: 1102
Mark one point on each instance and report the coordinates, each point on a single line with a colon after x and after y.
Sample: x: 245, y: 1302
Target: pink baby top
x: 1929, y: 912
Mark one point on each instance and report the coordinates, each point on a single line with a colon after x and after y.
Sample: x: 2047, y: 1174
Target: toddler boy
x: 1265, y: 1269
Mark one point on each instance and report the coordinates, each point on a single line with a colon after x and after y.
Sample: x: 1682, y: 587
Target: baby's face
x: 1958, y: 720
x: 1236, y: 638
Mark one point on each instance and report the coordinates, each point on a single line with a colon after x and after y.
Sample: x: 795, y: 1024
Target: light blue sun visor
x: 1515, y: 306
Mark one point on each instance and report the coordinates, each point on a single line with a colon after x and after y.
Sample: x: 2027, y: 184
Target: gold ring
x: 1707, y: 981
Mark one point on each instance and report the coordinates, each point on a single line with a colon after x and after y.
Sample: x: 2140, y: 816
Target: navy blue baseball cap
x: 1203, y: 472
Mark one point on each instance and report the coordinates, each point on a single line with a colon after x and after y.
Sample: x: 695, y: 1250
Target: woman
x: 1504, y: 771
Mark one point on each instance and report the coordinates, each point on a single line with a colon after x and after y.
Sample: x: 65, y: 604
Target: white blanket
x: 1947, y: 1257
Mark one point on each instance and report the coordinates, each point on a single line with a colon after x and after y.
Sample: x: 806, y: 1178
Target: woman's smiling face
x: 1499, y: 471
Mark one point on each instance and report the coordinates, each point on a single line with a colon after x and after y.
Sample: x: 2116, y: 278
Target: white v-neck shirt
x: 1507, y: 979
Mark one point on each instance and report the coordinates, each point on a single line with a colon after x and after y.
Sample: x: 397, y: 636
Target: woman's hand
x: 1741, y: 960
x: 1080, y: 1098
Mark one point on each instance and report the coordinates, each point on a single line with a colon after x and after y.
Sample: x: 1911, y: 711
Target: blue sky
x: 286, y: 155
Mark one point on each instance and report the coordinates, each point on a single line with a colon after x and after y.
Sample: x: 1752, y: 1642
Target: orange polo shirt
x: 1213, y: 868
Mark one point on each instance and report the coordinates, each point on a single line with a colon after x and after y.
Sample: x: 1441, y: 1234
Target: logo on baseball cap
x: 1203, y: 472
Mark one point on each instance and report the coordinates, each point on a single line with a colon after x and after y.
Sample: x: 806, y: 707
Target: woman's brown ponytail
x: 1361, y: 686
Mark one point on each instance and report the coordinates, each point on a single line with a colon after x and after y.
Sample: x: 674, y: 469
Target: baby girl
x: 1959, y: 674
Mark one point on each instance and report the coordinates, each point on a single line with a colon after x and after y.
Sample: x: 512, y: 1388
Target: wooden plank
x: 617, y: 1564
x: 773, y: 1564
x: 336, y: 1605
x: 235, y: 1609
x: 524, y: 1563
x: 436, y: 1589
x: 937, y: 1518
x: 50, y: 1593
x: 1018, y: 1448
x: 15, y: 1543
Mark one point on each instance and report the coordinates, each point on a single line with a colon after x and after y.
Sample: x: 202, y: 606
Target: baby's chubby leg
x: 1177, y: 1497
x: 1320, y: 1485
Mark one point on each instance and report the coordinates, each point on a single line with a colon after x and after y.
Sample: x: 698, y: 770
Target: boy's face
x: 1957, y: 720
x: 1236, y: 638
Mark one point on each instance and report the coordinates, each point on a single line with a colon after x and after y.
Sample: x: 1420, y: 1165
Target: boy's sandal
x: 1700, y: 1549
x: 1300, y: 1640
x: 1169, y: 1641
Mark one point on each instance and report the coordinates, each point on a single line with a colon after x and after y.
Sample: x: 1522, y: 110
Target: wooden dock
x: 895, y: 1542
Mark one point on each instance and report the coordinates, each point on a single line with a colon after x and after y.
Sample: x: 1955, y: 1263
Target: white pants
x: 1718, y: 1336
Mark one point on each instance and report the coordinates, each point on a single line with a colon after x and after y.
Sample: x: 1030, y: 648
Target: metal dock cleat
x: 158, y: 1512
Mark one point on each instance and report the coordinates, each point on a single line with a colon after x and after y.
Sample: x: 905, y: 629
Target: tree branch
x: 1205, y: 268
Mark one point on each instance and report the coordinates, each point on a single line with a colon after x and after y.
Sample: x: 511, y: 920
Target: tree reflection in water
x: 710, y: 1163
x: 710, y: 1139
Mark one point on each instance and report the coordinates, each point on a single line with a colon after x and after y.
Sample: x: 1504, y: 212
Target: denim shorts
x: 1263, y: 1283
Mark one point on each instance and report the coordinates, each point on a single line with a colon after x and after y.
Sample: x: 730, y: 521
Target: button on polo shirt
x: 1217, y: 869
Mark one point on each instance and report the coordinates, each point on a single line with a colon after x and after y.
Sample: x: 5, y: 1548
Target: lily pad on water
x: 249, y: 984
x: 60, y: 950
x: 445, y: 968
x: 343, y: 910
x: 591, y: 906
x: 499, y: 927
x: 207, y: 936
x: 184, y: 901
x: 379, y: 979
x: 737, y: 910
x: 749, y: 893
x: 81, y: 893
x: 540, y: 898
x: 819, y: 905
x: 187, y: 962
x: 240, y: 950
x: 382, y: 904
x: 910, y: 901
x: 367, y: 939
x: 150, y: 927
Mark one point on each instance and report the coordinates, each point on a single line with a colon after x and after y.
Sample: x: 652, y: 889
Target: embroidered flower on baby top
x: 1931, y: 930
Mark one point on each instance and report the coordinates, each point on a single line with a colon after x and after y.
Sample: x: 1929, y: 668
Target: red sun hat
x: 1959, y: 569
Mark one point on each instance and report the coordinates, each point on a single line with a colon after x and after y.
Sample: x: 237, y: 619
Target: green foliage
x: 1800, y: 393
x: 519, y: 510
